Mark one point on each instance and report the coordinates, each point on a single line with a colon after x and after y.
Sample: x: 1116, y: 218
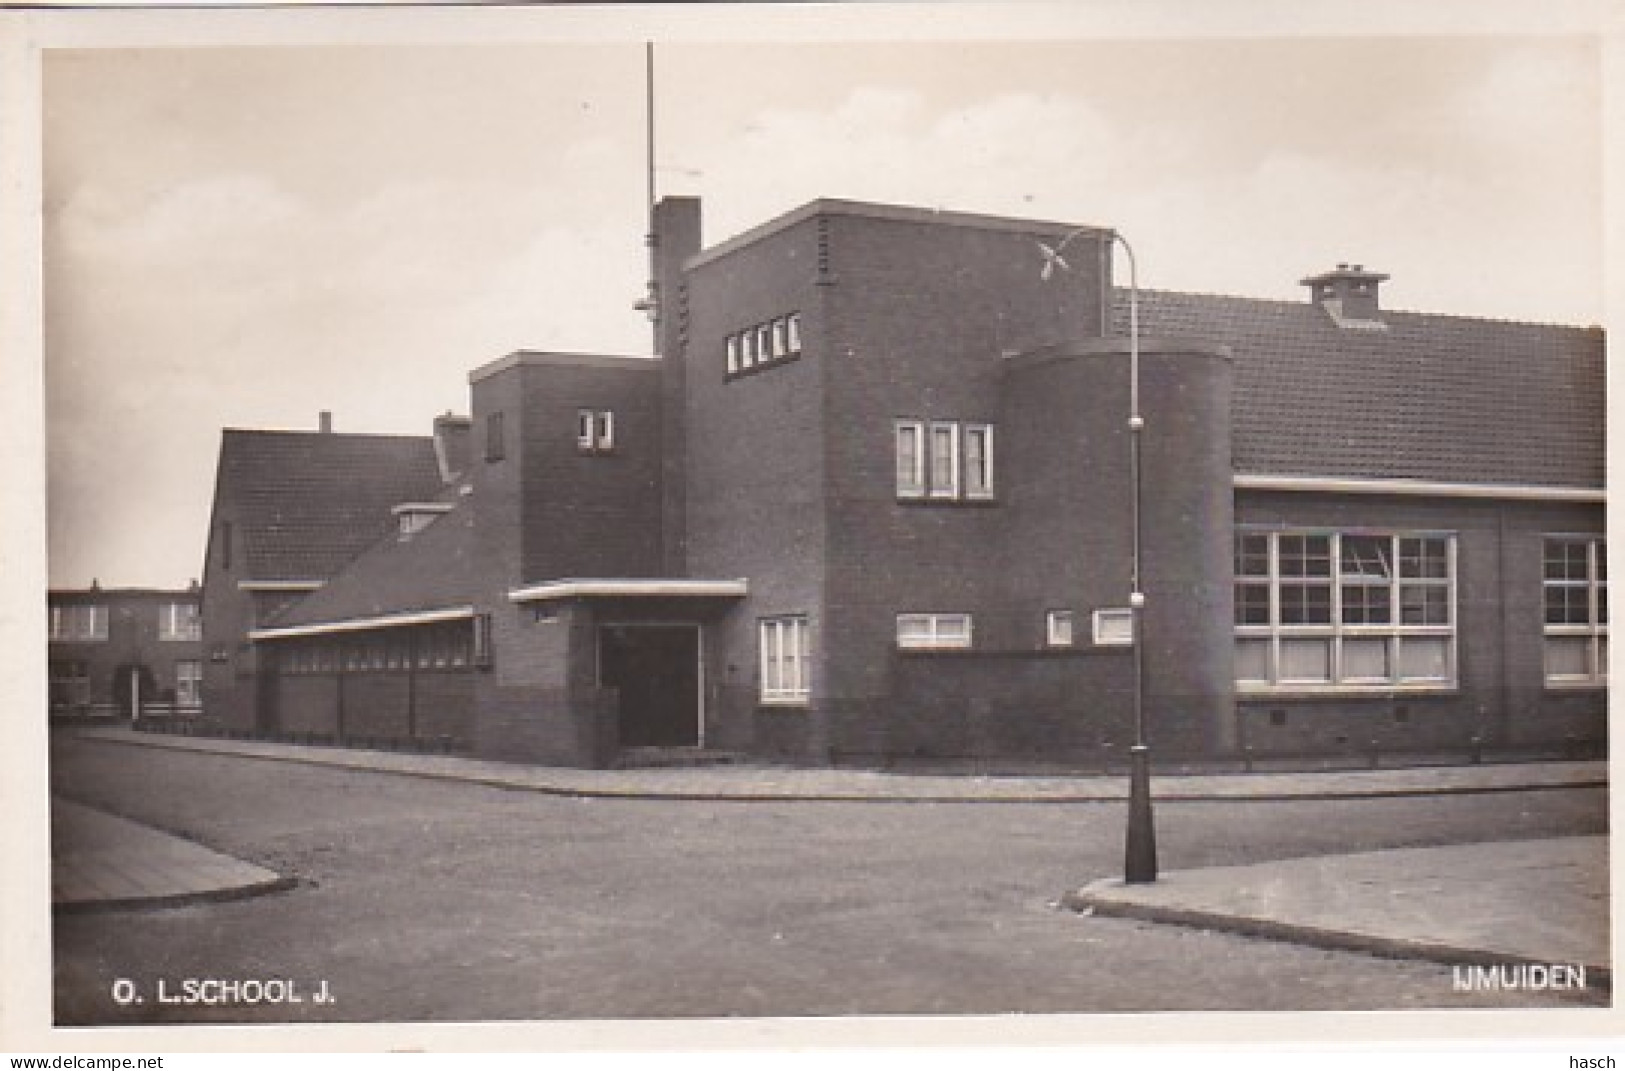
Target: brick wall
x: 755, y: 504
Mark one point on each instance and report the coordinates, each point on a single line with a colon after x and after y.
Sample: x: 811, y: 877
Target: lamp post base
x: 1140, y: 849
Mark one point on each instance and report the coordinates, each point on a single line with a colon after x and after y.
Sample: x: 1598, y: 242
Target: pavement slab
x: 1464, y: 904
x: 102, y: 860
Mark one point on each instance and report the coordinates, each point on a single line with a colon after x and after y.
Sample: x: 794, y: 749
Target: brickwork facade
x: 874, y: 502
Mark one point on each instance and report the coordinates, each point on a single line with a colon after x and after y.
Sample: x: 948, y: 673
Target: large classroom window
x: 1344, y: 610
x: 1576, y: 598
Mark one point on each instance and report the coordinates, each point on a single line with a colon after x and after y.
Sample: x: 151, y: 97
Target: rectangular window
x: 785, y: 648
x: 179, y: 621
x: 188, y: 683
x: 82, y: 623
x: 910, y: 459
x: 781, y: 337
x: 595, y: 431
x: 1344, y: 610
x: 944, y: 460
x: 933, y: 632
x: 1113, y: 627
x: 1576, y: 610
x: 978, y: 461
x: 792, y: 331
x: 495, y: 446
x: 482, y: 639
x: 733, y: 354
x: 1058, y: 628
x: 944, y: 456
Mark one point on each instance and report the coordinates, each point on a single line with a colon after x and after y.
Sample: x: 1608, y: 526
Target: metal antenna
x: 649, y: 304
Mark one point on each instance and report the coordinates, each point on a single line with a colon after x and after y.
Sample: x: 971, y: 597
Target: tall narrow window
x: 978, y: 461
x: 1576, y: 600
x: 785, y: 649
x: 944, y: 460
x: 910, y: 459
x: 733, y: 354
x: 188, y: 683
x: 495, y: 447
x: 792, y: 329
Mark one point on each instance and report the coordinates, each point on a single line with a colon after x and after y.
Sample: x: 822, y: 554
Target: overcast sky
x: 243, y: 237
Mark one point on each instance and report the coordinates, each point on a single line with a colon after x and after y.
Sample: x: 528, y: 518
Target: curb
x: 1095, y: 898
x: 330, y: 761
x: 278, y: 884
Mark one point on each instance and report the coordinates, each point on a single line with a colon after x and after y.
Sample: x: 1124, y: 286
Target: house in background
x: 125, y: 652
x: 870, y: 503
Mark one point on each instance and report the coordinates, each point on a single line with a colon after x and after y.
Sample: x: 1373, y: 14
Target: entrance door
x: 657, y: 670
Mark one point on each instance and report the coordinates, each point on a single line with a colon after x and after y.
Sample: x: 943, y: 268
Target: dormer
x: 414, y: 517
x: 1350, y: 296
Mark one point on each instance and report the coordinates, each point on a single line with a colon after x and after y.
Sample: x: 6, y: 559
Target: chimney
x: 324, y: 422
x: 675, y: 238
x: 1349, y: 295
x: 453, y: 439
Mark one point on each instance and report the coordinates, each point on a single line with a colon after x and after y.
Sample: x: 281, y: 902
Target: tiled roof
x: 432, y: 570
x: 307, y: 502
x: 1431, y: 398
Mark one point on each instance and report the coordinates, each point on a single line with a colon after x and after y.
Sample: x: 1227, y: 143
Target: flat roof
x: 634, y: 587
x: 834, y: 206
x: 527, y: 358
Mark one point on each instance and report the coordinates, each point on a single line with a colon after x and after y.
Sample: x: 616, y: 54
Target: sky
x: 242, y: 237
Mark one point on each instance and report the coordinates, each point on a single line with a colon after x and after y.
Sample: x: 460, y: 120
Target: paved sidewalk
x: 763, y: 782
x: 1500, y: 903
x: 101, y: 860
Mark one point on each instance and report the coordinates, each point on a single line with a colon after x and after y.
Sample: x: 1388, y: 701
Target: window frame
x: 79, y: 622
x: 496, y: 445
x: 934, y: 638
x: 940, y: 469
x: 595, y: 431
x: 174, y: 628
x: 1335, y: 642
x: 784, y: 660
x: 1102, y: 622
x: 912, y: 483
x: 982, y: 487
x: 1060, y: 628
x: 1593, y: 631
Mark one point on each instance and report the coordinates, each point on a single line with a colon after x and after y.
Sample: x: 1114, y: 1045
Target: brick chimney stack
x: 1349, y: 295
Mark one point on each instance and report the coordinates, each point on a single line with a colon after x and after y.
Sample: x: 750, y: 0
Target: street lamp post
x: 1140, y: 843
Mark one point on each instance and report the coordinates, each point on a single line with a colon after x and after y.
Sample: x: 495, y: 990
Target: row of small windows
x: 763, y: 344
x: 393, y: 650
x: 944, y: 460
